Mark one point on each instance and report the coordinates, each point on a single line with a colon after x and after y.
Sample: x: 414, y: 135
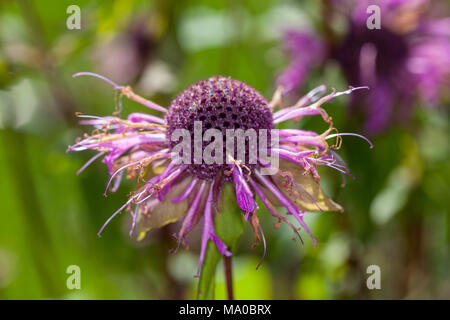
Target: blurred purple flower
x: 142, y: 147
x: 126, y: 54
x: 408, y: 58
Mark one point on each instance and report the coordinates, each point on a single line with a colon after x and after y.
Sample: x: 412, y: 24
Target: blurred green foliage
x: 396, y: 211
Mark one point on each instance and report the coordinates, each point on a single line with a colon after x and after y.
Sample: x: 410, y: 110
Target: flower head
x: 408, y: 56
x: 145, y: 147
x: 221, y: 103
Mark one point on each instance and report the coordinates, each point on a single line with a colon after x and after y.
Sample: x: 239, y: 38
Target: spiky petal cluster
x: 140, y: 147
x: 409, y: 56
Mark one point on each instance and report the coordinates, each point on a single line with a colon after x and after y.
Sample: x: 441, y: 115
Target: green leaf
x: 307, y: 190
x: 229, y: 225
x: 205, y: 289
x: 164, y: 213
x: 229, y: 221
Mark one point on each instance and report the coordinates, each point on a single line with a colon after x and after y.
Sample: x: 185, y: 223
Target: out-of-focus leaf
x: 311, y: 286
x: 248, y: 283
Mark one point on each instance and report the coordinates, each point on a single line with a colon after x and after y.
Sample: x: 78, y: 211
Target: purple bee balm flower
x: 142, y: 147
x: 408, y: 57
x: 306, y: 52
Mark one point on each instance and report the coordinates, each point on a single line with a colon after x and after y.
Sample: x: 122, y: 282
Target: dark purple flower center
x: 220, y: 103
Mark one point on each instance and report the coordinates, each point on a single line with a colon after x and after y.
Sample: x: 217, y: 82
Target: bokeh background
x: 396, y: 210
